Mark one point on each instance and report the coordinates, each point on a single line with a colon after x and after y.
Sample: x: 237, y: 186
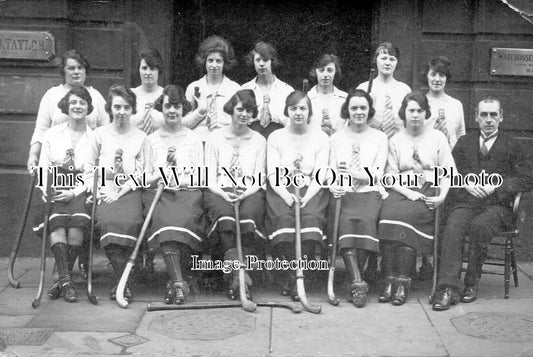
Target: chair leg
x: 507, y: 267
x: 513, y: 264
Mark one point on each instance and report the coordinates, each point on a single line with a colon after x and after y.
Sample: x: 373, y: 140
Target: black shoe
x: 469, y: 294
x: 69, y: 293
x: 444, y: 297
x: 55, y: 290
x: 402, y: 291
x: 386, y: 295
x: 128, y: 296
x: 358, y: 294
x: 84, y: 271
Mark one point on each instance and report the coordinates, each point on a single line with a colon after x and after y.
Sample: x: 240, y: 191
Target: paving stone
x: 14, y: 302
x: 375, y: 330
x: 24, y: 336
x: 15, y: 321
x: 107, y: 316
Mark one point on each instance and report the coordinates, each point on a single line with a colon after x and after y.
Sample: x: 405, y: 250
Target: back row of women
x: 220, y: 124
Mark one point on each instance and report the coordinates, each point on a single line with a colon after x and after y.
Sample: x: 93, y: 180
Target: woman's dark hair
x: 388, y: 48
x: 293, y: 99
x: 119, y: 90
x: 153, y: 59
x: 215, y: 44
x: 79, y: 91
x: 266, y: 51
x: 76, y: 55
x: 175, y: 95
x: 323, y: 61
x: 244, y: 96
x: 440, y: 65
x: 417, y: 97
x: 357, y: 93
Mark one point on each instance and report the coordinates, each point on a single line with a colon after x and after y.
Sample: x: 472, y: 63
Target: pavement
x: 491, y: 326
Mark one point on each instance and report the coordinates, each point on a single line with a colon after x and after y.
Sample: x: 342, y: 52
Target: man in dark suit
x: 479, y: 211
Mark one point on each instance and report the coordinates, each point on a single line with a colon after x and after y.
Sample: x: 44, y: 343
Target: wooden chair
x: 503, y: 240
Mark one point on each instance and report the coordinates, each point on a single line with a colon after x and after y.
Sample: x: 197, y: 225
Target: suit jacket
x: 506, y: 157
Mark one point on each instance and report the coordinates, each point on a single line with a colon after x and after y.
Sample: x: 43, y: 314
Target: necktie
x: 211, y: 119
x: 68, y: 161
x: 326, y: 122
x: 235, y: 165
x: 484, y: 148
x: 235, y: 169
x: 417, y: 166
x: 440, y: 123
x: 171, y: 161
x: 265, y: 117
x: 355, y: 162
x: 147, y: 119
x: 388, y: 126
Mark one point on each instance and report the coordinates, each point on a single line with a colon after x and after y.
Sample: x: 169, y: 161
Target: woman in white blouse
x: 406, y: 223
x: 150, y: 67
x: 74, y: 68
x: 209, y: 93
x: 270, y: 91
x: 296, y: 148
x: 447, y: 112
x: 237, y: 152
x: 326, y: 98
x: 123, y: 152
x: 178, y: 221
x: 64, y: 148
x: 387, y: 92
x: 355, y: 148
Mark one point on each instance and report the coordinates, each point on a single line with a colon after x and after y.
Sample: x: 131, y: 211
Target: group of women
x: 253, y: 130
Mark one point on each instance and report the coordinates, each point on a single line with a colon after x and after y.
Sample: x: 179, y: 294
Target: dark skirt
x: 73, y: 214
x: 408, y: 222
x: 178, y: 217
x: 120, y: 222
x: 221, y: 217
x: 281, y: 222
x: 358, y: 221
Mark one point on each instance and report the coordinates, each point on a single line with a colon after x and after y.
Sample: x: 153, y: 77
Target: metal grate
x: 496, y: 326
x: 203, y: 325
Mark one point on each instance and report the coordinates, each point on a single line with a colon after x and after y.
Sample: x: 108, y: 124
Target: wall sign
x: 32, y: 45
x: 511, y: 61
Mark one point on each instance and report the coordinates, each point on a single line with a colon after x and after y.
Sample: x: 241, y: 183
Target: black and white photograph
x: 266, y: 178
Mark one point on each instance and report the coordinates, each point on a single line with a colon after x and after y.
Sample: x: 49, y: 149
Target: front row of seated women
x: 188, y: 220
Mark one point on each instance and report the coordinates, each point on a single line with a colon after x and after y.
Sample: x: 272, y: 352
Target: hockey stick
x: 37, y: 300
x: 131, y: 262
x: 331, y: 276
x: 93, y: 299
x: 164, y: 307
x: 247, y: 305
x: 27, y: 204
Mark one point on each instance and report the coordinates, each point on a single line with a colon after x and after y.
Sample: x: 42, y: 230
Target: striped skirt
x: 408, y: 222
x: 358, y: 221
x: 281, y: 222
x: 221, y: 217
x: 120, y: 222
x: 178, y: 216
x: 72, y: 214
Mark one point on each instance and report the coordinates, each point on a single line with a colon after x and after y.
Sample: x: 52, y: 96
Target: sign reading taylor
x: 33, y: 45
x: 511, y: 61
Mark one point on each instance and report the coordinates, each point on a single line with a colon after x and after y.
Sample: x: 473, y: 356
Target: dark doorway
x: 301, y: 31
